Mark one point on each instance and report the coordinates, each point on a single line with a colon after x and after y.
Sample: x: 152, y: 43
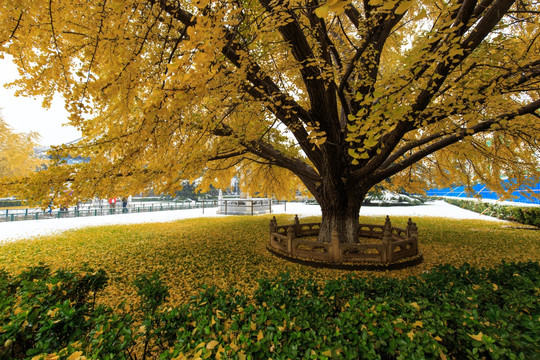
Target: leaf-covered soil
x: 231, y: 252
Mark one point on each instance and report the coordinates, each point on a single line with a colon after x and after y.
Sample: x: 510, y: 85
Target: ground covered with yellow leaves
x: 231, y: 252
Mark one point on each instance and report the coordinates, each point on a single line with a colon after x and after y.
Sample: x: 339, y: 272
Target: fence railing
x: 88, y: 210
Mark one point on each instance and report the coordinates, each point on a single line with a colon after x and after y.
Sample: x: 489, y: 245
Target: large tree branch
x: 292, y: 124
x: 491, y: 17
x: 263, y: 88
x: 323, y: 102
x: 485, y: 25
x: 411, y: 146
x: 452, y: 139
x: 266, y: 151
x: 462, y: 16
x: 354, y: 15
x: 377, y: 37
x: 524, y: 74
x: 231, y: 51
x: 228, y: 155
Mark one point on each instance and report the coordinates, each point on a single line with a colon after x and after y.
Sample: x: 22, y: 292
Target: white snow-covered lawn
x: 10, y: 231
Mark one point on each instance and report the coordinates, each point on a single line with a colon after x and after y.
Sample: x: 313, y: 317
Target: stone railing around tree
x: 390, y: 244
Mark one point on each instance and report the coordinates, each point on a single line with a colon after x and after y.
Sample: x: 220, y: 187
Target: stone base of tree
x: 392, y: 247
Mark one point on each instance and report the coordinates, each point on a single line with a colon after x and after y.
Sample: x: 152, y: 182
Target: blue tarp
x: 482, y: 191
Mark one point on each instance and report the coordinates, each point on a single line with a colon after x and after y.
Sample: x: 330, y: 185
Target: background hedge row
x: 529, y: 215
x: 447, y: 313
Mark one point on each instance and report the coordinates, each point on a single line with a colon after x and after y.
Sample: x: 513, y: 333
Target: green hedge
x: 529, y: 215
x: 460, y: 313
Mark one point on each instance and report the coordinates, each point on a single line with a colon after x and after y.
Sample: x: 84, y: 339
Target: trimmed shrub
x: 461, y: 313
x: 527, y: 215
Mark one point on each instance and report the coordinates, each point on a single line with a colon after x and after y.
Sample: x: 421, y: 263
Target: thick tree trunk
x: 340, y: 212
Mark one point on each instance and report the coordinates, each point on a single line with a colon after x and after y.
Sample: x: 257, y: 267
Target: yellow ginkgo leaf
x: 219, y: 353
x: 422, y: 14
x: 404, y: 6
x: 322, y: 11
x: 212, y: 344
x: 260, y: 335
x: 363, y: 155
x: 338, y: 7
x: 77, y: 355
x: 477, y: 337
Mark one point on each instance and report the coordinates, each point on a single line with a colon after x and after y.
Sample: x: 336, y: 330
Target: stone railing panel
x: 398, y: 233
x: 402, y: 249
x: 310, y: 250
x: 362, y: 252
x: 309, y: 229
x: 279, y: 242
x: 369, y: 231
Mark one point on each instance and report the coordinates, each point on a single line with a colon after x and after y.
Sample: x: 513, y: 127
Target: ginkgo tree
x: 17, y: 155
x: 338, y: 96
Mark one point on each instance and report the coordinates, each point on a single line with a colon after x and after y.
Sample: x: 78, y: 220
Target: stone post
x: 273, y: 226
x: 408, y: 229
x: 290, y: 238
x: 387, y: 240
x: 413, y: 231
x: 297, y: 228
x: 334, y: 251
x: 414, y: 237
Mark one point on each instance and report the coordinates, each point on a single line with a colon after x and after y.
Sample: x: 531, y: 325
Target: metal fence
x: 87, y: 210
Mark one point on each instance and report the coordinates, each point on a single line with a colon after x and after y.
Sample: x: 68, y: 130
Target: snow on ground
x: 10, y: 231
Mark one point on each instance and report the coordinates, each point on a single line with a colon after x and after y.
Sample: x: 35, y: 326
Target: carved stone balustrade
x: 392, y: 247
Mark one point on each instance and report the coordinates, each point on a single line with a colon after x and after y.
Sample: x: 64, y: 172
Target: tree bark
x: 340, y: 212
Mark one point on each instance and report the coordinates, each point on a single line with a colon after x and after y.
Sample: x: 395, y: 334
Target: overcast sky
x: 26, y: 114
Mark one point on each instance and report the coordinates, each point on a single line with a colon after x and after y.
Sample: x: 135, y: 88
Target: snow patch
x: 15, y: 230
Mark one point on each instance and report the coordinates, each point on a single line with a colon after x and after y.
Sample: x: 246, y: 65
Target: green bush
x: 43, y: 313
x: 525, y: 215
x: 461, y: 313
